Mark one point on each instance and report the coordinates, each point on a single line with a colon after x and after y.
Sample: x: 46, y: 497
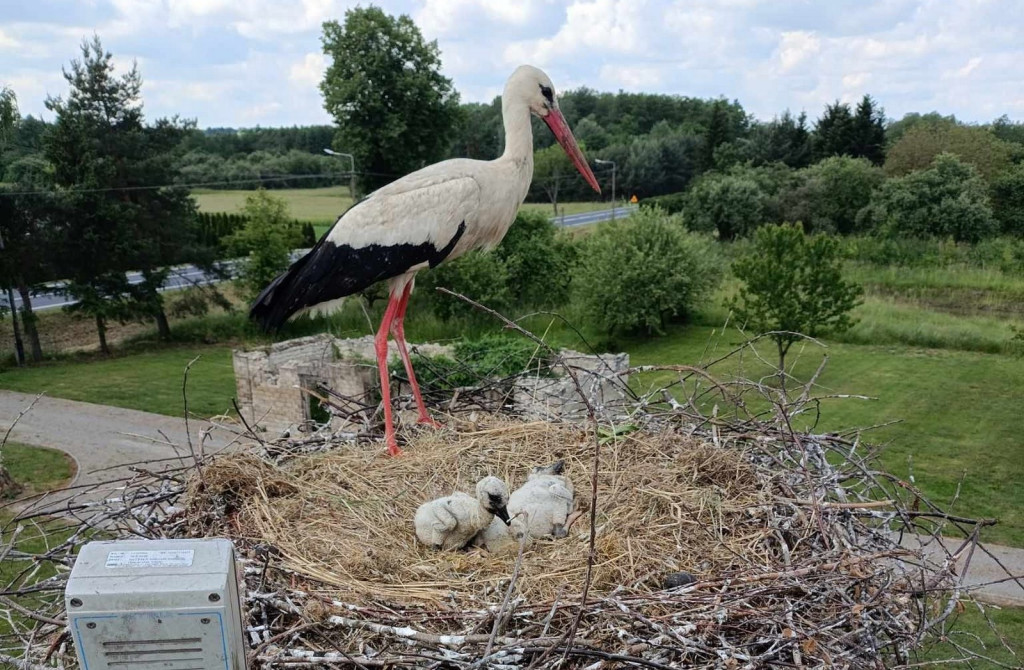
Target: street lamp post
x: 612, y: 163
x: 351, y: 174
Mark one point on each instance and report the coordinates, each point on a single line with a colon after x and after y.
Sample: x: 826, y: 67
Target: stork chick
x: 547, y: 498
x: 498, y: 537
x: 452, y: 522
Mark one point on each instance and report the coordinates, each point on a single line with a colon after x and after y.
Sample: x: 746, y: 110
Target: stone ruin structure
x: 279, y: 386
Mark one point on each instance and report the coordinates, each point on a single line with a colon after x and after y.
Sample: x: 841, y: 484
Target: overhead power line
x: 231, y: 182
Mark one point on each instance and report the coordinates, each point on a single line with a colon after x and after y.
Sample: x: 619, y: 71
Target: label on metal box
x: 174, y: 558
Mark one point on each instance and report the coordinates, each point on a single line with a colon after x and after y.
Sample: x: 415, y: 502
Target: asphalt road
x: 188, y: 275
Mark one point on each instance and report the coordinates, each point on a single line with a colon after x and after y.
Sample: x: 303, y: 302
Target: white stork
x: 418, y: 221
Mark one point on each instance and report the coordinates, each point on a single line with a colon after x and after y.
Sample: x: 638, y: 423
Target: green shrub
x: 538, y: 258
x: 737, y: 202
x: 670, y: 203
x: 475, y: 360
x: 731, y: 204
x: 636, y: 275
x: 834, y: 193
x: 480, y: 276
x: 266, y: 240
x: 531, y: 267
x: 949, y: 199
x: 1008, y: 200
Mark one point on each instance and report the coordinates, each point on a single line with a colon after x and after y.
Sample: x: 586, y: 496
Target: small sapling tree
x: 793, y: 285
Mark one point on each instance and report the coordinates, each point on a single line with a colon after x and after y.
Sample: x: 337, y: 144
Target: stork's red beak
x: 556, y: 122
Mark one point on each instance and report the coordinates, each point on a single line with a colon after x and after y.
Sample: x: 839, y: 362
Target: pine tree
x: 834, y: 131
x: 718, y: 133
x: 868, y: 135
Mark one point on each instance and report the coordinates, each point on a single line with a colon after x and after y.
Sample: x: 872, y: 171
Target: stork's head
x: 532, y: 86
x: 492, y: 494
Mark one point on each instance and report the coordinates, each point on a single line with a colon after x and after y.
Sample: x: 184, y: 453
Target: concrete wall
x: 273, y: 383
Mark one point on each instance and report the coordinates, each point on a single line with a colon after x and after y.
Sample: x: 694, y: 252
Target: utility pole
x: 612, y: 163
x: 352, y: 172
x: 19, y: 346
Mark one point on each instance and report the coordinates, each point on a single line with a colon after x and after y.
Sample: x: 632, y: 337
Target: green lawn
x: 147, y: 380
x: 38, y: 470
x: 971, y: 631
x: 319, y: 205
x: 322, y: 206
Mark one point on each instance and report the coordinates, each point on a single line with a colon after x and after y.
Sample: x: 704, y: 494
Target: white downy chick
x: 498, y: 537
x: 547, y: 498
x: 452, y: 522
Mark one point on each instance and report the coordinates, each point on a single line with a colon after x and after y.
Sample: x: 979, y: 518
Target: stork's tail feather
x: 279, y: 300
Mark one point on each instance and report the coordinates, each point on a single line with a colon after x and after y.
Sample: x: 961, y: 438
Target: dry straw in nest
x: 344, y: 518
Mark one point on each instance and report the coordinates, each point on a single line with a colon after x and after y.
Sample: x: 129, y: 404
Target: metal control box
x: 156, y: 605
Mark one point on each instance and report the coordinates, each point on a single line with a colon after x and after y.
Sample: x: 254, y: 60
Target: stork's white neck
x: 518, y: 131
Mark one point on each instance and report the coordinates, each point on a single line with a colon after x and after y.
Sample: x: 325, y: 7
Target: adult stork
x: 418, y: 221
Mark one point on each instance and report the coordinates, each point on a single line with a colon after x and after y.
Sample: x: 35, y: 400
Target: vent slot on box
x: 169, y: 654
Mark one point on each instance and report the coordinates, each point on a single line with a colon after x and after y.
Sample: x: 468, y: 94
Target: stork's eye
x: 548, y: 94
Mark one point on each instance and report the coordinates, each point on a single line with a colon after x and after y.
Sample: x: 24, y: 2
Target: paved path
x: 983, y: 568
x: 103, y: 440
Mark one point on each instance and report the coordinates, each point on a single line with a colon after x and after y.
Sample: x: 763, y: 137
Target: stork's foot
x: 427, y: 421
x: 393, y: 449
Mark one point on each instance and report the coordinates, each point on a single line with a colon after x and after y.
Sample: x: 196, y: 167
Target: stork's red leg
x: 398, y: 330
x: 380, y: 345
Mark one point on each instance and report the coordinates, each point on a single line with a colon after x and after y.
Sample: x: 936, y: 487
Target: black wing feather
x: 331, y: 271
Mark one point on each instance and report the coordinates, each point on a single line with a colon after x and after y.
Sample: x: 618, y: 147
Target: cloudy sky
x: 258, y: 62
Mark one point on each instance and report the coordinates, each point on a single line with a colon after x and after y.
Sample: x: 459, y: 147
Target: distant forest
x: 660, y: 144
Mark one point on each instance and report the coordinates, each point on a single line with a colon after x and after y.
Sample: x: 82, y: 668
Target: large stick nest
x: 792, y: 540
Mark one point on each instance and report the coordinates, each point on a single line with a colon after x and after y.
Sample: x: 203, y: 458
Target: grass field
x: 322, y: 206
x: 144, y: 380
x: 970, y: 630
x: 36, y: 468
x: 319, y: 205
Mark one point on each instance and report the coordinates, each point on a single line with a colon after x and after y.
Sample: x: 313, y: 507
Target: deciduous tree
x: 266, y: 240
x: 918, y: 148
x: 394, y: 110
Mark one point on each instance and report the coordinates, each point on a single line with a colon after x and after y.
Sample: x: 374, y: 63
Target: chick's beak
x: 502, y: 513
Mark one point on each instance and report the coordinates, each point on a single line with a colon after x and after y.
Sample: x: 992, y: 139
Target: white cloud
x: 632, y: 77
x: 795, y: 47
x: 260, y: 111
x: 590, y: 25
x: 448, y: 18
x: 8, y: 42
x: 309, y: 71
x: 966, y: 70
x: 234, y: 62
x: 855, y: 80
